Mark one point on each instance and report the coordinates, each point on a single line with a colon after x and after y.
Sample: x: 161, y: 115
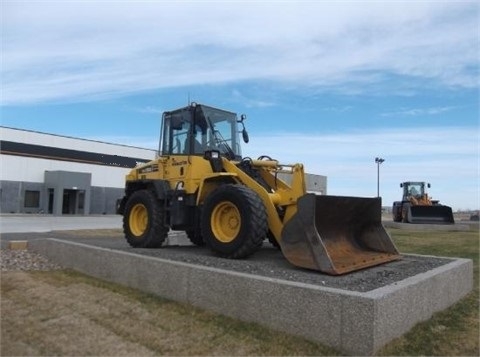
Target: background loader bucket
x: 337, y: 235
x: 430, y: 215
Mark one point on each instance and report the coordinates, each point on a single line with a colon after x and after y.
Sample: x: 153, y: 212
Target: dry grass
x: 65, y: 313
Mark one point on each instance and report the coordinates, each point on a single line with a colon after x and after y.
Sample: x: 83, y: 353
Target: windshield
x: 221, y: 130
x: 196, y: 129
x: 414, y: 189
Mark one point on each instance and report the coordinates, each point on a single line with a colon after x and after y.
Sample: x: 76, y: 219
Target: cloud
x: 418, y: 111
x: 342, y: 109
x: 248, y: 101
x: 150, y: 110
x: 57, y: 51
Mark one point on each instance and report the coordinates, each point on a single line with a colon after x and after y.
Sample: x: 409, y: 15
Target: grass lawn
x: 67, y: 313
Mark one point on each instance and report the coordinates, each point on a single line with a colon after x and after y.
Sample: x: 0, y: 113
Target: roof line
x: 72, y: 137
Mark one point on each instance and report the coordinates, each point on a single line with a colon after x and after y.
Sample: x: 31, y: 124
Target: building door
x: 50, y: 200
x: 69, y: 201
x: 81, y: 202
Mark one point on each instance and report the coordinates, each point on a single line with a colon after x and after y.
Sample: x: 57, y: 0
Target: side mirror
x: 246, y: 139
x: 243, y: 117
x: 401, y: 185
x: 428, y: 185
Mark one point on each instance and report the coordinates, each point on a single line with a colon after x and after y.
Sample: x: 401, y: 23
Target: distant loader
x: 417, y: 207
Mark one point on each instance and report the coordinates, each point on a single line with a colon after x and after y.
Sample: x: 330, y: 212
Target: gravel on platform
x: 267, y: 262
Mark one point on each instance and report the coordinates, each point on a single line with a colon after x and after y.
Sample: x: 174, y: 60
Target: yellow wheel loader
x: 201, y: 184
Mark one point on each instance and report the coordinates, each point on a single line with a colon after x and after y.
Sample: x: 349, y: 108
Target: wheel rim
x: 138, y: 220
x: 226, y: 222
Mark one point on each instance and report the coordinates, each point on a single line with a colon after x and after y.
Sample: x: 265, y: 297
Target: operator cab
x: 198, y: 128
x: 413, y: 189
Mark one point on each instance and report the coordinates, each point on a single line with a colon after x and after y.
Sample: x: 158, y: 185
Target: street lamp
x: 378, y: 161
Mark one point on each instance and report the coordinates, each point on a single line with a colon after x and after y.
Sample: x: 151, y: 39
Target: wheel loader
x: 201, y: 184
x: 417, y: 207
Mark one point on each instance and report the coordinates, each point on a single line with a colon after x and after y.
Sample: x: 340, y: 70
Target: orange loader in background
x: 417, y: 207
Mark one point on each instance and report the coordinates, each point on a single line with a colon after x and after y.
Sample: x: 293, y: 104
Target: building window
x: 32, y: 199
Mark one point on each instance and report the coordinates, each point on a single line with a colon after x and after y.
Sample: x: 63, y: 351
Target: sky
x: 332, y: 85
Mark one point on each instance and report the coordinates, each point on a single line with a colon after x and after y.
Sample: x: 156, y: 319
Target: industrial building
x: 53, y: 174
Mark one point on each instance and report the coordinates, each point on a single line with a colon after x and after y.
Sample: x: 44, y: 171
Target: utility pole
x: 378, y: 161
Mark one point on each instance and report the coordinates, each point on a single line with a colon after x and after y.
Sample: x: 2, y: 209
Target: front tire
x: 234, y: 221
x: 405, y: 209
x: 143, y: 221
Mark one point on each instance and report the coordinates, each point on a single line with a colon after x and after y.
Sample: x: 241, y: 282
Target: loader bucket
x: 430, y: 215
x: 337, y: 235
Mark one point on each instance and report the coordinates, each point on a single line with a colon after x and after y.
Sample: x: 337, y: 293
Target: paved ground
x: 17, y: 223
x: 22, y: 223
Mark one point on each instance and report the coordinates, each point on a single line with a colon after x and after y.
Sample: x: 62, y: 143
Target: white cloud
x: 418, y: 111
x: 150, y: 110
x: 77, y: 50
x: 248, y: 101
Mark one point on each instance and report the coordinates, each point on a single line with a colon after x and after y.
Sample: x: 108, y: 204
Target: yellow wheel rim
x: 138, y: 220
x: 226, y: 222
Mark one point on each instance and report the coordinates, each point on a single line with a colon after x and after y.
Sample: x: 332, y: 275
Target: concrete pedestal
x: 353, y: 322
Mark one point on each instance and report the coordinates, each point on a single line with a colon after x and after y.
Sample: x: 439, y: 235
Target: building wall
x: 29, y: 158
x: 315, y: 183
x: 12, y: 196
x: 104, y: 199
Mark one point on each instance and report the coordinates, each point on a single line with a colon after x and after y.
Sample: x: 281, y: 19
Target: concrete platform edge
x: 351, y: 322
x: 400, y: 306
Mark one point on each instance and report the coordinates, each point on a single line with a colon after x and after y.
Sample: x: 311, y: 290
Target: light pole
x: 378, y: 161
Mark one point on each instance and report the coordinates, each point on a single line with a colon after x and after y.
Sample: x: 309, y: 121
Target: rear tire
x: 143, y: 221
x: 234, y: 221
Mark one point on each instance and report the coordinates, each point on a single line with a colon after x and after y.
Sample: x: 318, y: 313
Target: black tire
x: 196, y: 239
x: 143, y: 220
x: 234, y: 221
x: 397, y: 215
x: 397, y: 211
x: 405, y: 209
